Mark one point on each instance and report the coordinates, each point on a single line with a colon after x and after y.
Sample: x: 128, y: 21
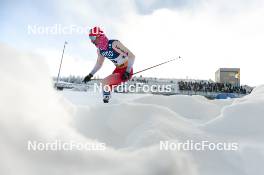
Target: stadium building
x: 228, y: 75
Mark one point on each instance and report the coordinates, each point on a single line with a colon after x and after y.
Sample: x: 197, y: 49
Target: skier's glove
x: 87, y: 78
x: 125, y: 76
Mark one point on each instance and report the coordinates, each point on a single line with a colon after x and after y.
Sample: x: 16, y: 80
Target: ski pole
x: 156, y: 65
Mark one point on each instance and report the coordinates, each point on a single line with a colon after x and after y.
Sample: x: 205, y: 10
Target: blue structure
x: 225, y: 96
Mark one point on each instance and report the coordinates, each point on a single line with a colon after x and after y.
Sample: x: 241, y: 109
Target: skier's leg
x: 107, y: 83
x: 113, y: 80
x: 116, y: 77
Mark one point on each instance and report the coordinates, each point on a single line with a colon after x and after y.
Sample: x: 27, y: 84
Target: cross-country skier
x: 116, y: 52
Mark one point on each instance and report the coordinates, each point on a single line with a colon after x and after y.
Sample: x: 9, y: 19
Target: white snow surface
x: 131, y: 125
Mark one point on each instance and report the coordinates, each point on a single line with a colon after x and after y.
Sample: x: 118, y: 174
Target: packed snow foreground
x: 131, y: 128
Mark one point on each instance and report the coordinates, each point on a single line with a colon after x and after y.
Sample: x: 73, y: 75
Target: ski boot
x: 106, y: 97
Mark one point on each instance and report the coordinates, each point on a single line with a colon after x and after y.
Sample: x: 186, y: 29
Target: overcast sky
x: 208, y: 34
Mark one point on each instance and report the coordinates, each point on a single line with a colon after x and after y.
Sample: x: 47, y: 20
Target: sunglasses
x: 92, y: 38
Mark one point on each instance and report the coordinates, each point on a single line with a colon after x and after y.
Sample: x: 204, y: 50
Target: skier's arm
x: 99, y: 63
x: 121, y: 49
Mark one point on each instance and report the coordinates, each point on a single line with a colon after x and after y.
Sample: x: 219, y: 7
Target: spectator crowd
x: 203, y: 86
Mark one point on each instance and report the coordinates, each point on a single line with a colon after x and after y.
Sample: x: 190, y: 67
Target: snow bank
x: 192, y: 107
x: 130, y: 125
x: 31, y: 110
x: 142, y: 122
x: 243, y: 119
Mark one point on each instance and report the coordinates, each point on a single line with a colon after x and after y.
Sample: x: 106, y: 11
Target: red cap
x: 95, y: 31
